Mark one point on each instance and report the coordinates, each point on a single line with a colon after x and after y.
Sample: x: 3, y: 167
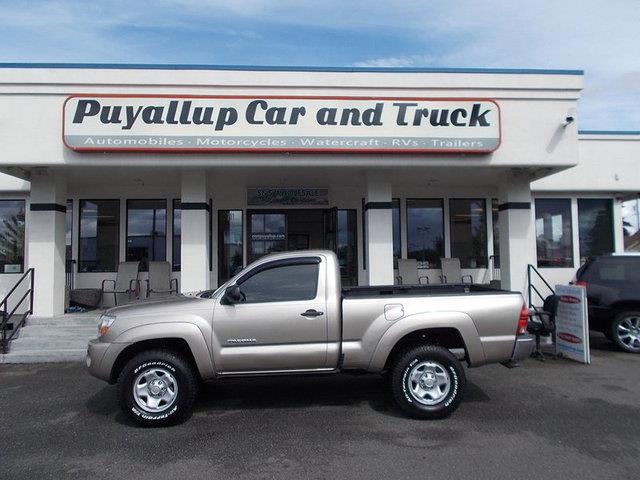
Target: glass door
x: 340, y: 227
x: 267, y: 233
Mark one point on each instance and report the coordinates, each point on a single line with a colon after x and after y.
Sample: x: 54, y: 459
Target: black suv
x: 613, y: 293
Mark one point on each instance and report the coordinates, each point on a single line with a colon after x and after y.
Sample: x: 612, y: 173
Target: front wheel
x: 427, y: 382
x: 157, y: 388
x: 625, y: 331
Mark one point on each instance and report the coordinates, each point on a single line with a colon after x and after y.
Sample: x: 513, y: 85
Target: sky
x: 600, y: 37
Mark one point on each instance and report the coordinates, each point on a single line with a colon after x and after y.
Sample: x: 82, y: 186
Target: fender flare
x: 423, y: 321
x: 188, y: 332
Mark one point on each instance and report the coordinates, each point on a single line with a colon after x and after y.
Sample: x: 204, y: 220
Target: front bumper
x: 101, y: 357
x: 523, y: 348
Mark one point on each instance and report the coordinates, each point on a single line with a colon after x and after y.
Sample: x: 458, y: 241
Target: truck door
x: 281, y: 321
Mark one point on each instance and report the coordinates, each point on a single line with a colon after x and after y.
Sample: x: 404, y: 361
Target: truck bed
x: 418, y: 290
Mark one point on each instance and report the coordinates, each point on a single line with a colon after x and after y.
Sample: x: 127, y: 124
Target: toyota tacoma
x: 287, y: 314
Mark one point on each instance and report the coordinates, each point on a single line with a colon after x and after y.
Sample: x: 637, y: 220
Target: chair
x: 408, y: 272
x: 542, y: 323
x: 451, y: 271
x: 160, y: 280
x: 126, y: 281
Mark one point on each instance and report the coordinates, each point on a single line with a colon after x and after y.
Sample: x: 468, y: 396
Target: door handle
x: 311, y: 313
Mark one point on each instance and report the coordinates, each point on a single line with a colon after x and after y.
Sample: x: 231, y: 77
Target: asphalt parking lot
x: 557, y: 419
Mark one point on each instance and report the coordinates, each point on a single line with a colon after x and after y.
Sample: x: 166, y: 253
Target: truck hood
x: 160, y: 305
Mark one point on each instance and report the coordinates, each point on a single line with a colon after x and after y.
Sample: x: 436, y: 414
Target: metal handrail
x: 4, y: 346
x: 532, y: 288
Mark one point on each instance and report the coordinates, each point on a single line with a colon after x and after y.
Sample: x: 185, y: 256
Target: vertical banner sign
x: 572, y: 323
x: 177, y: 123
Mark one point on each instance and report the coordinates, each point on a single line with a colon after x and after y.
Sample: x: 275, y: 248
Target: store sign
x: 572, y: 324
x: 279, y: 124
x: 287, y: 196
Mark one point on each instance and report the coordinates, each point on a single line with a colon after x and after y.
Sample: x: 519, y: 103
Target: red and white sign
x: 572, y: 323
x: 280, y: 124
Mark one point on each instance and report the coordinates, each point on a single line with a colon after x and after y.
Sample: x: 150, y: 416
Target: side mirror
x: 232, y: 295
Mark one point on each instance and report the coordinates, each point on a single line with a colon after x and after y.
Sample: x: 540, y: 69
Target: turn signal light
x: 523, y: 320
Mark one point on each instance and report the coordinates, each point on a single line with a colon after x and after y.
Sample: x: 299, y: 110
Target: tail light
x: 523, y: 320
x: 581, y: 284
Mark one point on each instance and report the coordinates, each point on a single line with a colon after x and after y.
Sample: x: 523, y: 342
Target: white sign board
x: 280, y: 124
x: 572, y: 323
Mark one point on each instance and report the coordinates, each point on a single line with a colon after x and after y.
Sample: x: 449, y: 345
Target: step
x: 57, y: 331
x: 63, y: 321
x: 37, y: 344
x: 45, y: 356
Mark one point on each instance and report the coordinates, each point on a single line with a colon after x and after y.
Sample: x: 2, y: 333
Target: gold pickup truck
x: 287, y: 314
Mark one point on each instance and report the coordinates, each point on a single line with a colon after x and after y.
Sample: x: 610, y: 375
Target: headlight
x: 105, y: 322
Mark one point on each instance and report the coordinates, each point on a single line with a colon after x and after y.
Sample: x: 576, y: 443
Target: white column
x: 517, y: 232
x: 47, y: 207
x: 194, y: 249
x: 379, y: 225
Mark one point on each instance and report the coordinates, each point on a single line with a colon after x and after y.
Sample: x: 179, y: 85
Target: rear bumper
x: 523, y: 348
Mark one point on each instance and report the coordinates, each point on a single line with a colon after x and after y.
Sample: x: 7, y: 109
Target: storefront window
x: 425, y: 231
x: 631, y: 225
x: 230, y: 259
x: 554, y: 241
x: 12, y: 236
x: 176, y: 232
x: 347, y: 246
x: 68, y: 227
x: 468, y: 226
x: 99, y: 235
x: 495, y: 220
x: 595, y: 227
x: 397, y: 242
x: 146, y: 231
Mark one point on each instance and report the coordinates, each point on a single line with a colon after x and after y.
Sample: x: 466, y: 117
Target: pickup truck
x: 287, y: 314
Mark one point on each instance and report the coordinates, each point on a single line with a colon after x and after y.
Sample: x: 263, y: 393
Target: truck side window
x: 285, y: 283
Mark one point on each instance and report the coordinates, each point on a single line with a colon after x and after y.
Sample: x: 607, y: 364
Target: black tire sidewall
x: 403, y: 367
x: 613, y: 330
x: 187, y: 388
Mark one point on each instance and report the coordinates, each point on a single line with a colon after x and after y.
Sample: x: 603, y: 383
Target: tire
x: 625, y: 331
x: 442, y: 377
x: 168, y: 388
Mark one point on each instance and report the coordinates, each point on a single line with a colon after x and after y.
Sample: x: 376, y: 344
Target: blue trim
x: 608, y: 132
x: 265, y: 68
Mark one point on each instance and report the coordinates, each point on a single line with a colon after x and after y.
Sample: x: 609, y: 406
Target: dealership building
x: 209, y: 168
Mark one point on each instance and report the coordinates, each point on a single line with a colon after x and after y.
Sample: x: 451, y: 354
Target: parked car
x: 287, y: 314
x: 613, y: 295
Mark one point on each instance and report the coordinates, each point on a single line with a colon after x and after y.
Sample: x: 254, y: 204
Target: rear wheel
x: 427, y: 382
x: 625, y: 331
x: 157, y: 388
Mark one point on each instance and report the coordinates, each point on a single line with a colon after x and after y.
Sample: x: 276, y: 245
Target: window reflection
x: 468, y: 224
x: 425, y: 231
x: 12, y: 236
x: 268, y: 234
x: 495, y: 220
x: 631, y: 225
x: 554, y: 240
x: 68, y: 228
x: 595, y: 226
x: 176, y: 242
x: 229, y: 244
x: 347, y: 246
x: 146, y: 231
x: 98, y: 249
